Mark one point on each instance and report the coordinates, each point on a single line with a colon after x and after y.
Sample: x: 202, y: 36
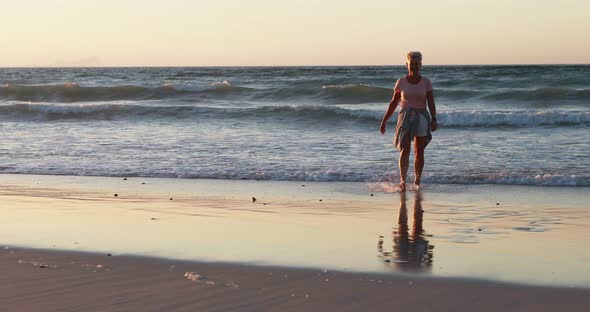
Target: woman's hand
x: 383, y: 124
x: 433, y: 125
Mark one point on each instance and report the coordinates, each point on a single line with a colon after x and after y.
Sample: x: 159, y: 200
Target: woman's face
x: 414, y: 66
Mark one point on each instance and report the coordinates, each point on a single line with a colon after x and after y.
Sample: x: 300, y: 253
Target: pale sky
x: 291, y: 32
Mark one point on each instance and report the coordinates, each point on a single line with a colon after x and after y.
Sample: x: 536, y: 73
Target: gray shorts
x: 422, y: 128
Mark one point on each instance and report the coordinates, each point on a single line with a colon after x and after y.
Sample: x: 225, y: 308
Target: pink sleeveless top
x: 413, y: 95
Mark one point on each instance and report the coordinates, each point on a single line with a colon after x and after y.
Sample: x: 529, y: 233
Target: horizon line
x: 356, y: 65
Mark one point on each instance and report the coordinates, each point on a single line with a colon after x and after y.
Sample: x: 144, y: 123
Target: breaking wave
x: 101, y: 111
x: 72, y: 92
x: 328, y: 94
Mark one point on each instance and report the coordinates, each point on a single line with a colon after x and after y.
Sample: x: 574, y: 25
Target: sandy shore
x: 41, y: 280
x: 288, y: 246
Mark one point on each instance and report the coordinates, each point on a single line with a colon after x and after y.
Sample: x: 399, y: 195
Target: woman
x: 412, y: 92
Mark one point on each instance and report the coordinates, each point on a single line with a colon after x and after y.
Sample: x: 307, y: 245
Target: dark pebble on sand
x: 320, y: 200
x: 43, y: 266
x: 154, y: 219
x: 124, y: 179
x: 109, y: 255
x: 253, y: 199
x: 170, y: 198
x: 142, y: 182
x: 302, y: 185
x: 372, y: 194
x: 116, y: 195
x: 264, y: 204
x: 479, y: 229
x: 497, y: 204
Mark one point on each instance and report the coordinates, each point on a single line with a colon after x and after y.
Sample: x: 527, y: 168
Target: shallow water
x: 514, y: 125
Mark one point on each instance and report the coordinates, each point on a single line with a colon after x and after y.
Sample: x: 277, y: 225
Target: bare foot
x: 402, y: 186
x: 417, y: 183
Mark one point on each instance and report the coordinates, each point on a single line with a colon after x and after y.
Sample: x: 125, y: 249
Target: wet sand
x: 41, y: 280
x: 266, y: 245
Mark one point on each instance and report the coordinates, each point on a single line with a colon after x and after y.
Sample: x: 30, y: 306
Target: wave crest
x: 71, y: 92
x: 451, y: 119
x: 355, y: 93
x: 314, y: 91
x: 545, y: 94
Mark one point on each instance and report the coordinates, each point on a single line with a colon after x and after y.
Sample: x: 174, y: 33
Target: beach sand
x: 40, y: 280
x: 206, y: 245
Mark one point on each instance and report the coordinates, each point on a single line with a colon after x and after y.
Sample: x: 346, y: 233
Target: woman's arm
x: 432, y: 109
x: 390, y: 109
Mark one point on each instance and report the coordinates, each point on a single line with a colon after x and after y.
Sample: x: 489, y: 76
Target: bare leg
x: 419, y: 144
x: 404, y: 163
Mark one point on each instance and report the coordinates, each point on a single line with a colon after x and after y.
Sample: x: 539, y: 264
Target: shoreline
x: 60, y: 280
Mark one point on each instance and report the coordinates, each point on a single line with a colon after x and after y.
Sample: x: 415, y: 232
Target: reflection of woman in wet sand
x: 413, y: 93
x: 410, y: 252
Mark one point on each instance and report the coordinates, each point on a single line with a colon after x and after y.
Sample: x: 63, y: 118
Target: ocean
x: 515, y: 125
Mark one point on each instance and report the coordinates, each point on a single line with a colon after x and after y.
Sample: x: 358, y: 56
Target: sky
x: 291, y: 32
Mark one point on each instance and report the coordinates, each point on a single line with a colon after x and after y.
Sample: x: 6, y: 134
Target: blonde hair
x: 414, y: 55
